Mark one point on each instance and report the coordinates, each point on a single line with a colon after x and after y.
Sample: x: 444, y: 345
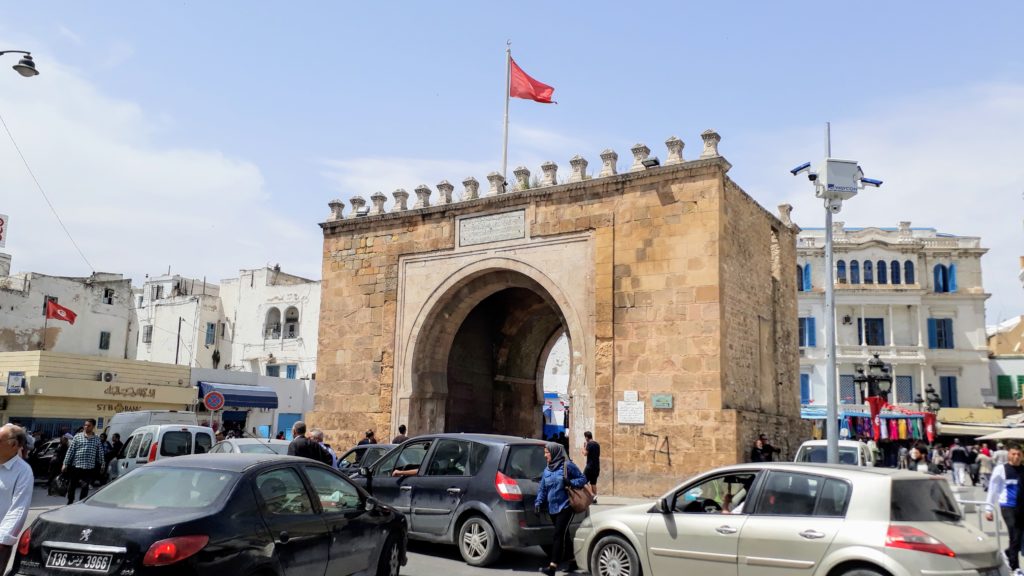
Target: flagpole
x: 46, y: 319
x: 508, y: 87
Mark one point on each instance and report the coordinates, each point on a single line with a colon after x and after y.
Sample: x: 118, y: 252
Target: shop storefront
x: 243, y: 407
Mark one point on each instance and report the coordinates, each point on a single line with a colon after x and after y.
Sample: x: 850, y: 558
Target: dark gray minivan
x: 472, y: 490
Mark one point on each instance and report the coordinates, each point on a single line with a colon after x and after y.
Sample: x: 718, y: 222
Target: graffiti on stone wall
x: 656, y: 444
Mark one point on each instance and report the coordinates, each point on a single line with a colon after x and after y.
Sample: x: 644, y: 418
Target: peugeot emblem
x: 85, y: 535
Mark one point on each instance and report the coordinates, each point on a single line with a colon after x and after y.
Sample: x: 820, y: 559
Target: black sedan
x: 210, y: 514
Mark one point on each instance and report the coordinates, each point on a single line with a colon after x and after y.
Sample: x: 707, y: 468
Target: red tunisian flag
x: 522, y: 86
x: 876, y: 403
x: 58, y: 312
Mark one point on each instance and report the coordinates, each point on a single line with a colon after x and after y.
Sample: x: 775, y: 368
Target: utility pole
x: 839, y: 180
x: 177, y: 344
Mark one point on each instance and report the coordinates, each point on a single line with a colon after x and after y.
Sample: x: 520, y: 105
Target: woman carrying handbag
x: 561, y: 478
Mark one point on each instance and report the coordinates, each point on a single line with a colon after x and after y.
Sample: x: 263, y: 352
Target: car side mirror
x: 371, y: 504
x: 364, y: 472
x: 344, y: 464
x: 664, y: 507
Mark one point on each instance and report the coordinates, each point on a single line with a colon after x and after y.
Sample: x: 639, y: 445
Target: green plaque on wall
x: 661, y: 400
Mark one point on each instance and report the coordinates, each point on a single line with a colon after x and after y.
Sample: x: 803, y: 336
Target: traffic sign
x: 213, y: 401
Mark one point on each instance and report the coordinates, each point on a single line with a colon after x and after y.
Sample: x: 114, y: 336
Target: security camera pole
x: 838, y: 180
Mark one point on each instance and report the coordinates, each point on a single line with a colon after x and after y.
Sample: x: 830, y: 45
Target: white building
x: 272, y: 319
x: 104, y: 324
x: 913, y: 295
x: 259, y: 405
x: 181, y: 321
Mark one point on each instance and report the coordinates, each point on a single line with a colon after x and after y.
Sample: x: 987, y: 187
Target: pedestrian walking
x: 318, y: 437
x: 999, y: 457
x: 592, y: 469
x: 305, y: 447
x: 762, y: 450
x: 280, y: 435
x: 16, y: 495
x: 918, y: 459
x: 564, y: 441
x: 57, y: 462
x: 83, y: 461
x: 904, y: 457
x: 1004, y: 490
x: 553, y: 494
x: 401, y: 435
x: 958, y: 457
x: 370, y: 438
x: 984, y: 469
x: 972, y: 464
x: 116, y: 447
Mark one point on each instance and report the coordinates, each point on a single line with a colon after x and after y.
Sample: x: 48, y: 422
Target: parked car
x: 360, y: 456
x: 125, y: 423
x: 785, y: 518
x: 242, y: 514
x: 157, y: 441
x: 851, y: 452
x: 472, y: 490
x: 250, y: 446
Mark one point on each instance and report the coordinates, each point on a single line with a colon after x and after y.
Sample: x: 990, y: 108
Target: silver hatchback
x: 781, y: 519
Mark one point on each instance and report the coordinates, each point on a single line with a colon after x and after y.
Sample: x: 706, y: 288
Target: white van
x: 124, y: 423
x: 851, y: 452
x: 158, y: 441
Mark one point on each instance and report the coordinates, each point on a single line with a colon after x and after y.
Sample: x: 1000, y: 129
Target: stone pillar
x: 357, y: 203
x: 472, y: 189
x: 378, y: 199
x: 337, y: 207
x: 401, y: 200
x: 522, y: 174
x: 640, y: 153
x: 675, y: 151
x: 497, y: 182
x: 905, y: 234
x: 609, y: 158
x: 579, y: 168
x: 785, y: 214
x: 445, y: 189
x: 550, y: 170
x: 711, y: 140
x: 422, y: 197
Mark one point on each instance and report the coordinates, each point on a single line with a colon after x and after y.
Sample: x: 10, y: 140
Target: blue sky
x: 209, y: 137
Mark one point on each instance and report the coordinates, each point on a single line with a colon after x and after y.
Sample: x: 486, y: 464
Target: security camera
x: 835, y: 207
x: 812, y: 176
x: 871, y: 182
x: 805, y: 167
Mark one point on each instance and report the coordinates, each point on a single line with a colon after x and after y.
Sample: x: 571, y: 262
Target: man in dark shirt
x: 401, y: 435
x: 762, y: 450
x: 371, y: 438
x: 306, y: 448
x: 592, y: 451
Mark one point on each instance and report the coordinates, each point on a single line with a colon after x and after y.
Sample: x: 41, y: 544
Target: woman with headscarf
x: 552, y: 492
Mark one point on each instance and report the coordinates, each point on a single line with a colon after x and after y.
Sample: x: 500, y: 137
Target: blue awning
x: 241, y: 395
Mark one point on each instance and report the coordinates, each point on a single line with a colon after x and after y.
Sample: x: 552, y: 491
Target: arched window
x: 841, y: 271
x: 952, y: 278
x: 869, y: 277
x: 291, y: 322
x: 908, y: 272
x: 854, y: 272
x: 799, y: 278
x: 940, y: 278
x: 882, y: 270
x: 272, y: 327
x: 807, y: 277
x: 895, y: 272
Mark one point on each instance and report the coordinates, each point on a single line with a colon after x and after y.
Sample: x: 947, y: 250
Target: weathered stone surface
x: 669, y: 281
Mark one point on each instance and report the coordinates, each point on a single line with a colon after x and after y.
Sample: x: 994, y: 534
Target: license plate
x: 81, y: 561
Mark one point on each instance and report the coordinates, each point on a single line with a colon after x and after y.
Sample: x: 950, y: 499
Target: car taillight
x: 910, y: 538
x: 508, y: 488
x: 171, y: 550
x: 24, y: 541
x: 152, y: 452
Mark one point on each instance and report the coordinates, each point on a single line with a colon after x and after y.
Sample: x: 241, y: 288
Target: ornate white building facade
x: 912, y: 295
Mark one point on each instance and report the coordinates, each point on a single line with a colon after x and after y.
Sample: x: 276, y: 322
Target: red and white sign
x: 3, y: 230
x: 213, y: 401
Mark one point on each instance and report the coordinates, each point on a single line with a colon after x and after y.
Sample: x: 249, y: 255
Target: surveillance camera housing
x: 806, y: 166
x: 812, y: 176
x: 871, y: 182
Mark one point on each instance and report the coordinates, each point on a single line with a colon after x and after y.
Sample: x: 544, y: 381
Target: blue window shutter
x: 933, y: 339
x: 807, y: 277
x: 908, y: 272
x: 799, y: 278
x: 854, y: 272
x: 811, y: 338
x: 291, y: 370
x: 882, y: 271
x: 841, y: 270
x: 860, y: 331
x: 952, y: 278
x: 895, y: 272
x: 868, y: 276
x: 805, y: 388
x: 948, y: 327
x: 947, y: 385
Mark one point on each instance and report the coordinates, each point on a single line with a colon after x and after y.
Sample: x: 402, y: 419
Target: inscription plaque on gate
x: 492, y: 228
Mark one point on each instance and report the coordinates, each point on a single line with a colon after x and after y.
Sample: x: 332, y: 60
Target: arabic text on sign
x: 492, y: 228
x: 130, y: 391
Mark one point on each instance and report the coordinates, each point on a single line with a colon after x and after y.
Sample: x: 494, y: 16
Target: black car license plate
x: 81, y: 561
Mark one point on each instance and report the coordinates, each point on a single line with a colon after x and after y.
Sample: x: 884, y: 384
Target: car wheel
x: 477, y: 542
x: 390, y: 562
x: 862, y: 572
x: 613, y: 556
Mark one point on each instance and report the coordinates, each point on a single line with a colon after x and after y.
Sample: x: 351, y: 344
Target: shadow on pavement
x: 513, y: 559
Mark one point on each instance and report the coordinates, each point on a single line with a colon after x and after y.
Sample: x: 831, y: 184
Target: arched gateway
x: 674, y: 288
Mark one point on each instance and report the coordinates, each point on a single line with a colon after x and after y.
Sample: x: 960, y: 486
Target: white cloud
x: 69, y: 34
x: 133, y: 206
x: 950, y: 160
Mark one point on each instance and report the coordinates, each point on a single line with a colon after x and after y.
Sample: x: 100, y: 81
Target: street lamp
x: 834, y: 181
x: 934, y: 401
x: 26, y: 66
x: 877, y: 376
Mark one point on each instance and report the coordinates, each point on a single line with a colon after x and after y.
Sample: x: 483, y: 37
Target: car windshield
x: 525, y: 461
x: 153, y: 487
x: 819, y: 455
x: 924, y: 500
x: 257, y: 448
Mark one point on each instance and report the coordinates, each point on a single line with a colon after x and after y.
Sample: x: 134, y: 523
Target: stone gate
x: 671, y: 283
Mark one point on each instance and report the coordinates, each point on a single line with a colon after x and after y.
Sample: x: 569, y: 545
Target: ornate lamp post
x: 933, y: 399
x: 26, y: 66
x: 876, y: 377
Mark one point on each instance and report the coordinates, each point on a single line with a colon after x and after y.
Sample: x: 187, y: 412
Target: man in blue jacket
x: 1004, y: 488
